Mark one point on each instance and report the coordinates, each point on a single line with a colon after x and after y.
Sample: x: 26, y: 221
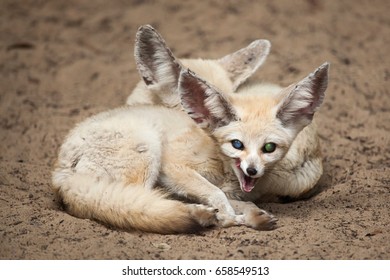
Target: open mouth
x: 246, y: 183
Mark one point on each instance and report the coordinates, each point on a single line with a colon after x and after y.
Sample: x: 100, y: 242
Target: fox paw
x: 260, y: 220
x: 206, y: 216
x: 226, y: 220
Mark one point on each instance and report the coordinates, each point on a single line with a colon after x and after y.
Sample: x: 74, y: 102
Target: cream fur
x: 120, y: 167
x: 110, y: 165
x: 298, y: 172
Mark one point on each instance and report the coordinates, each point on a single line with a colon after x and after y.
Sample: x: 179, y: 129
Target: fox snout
x: 246, y: 174
x: 251, y: 169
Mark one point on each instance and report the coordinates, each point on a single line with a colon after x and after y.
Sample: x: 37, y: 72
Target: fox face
x: 253, y: 147
x: 254, y: 131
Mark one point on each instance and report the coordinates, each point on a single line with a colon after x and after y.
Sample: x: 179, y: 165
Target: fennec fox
x: 160, y: 69
x: 297, y: 174
x: 124, y: 167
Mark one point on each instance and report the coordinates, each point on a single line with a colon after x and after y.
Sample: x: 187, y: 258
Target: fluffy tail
x: 127, y: 206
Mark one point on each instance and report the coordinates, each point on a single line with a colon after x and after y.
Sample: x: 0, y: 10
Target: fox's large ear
x: 204, y: 104
x: 155, y: 61
x: 302, y: 99
x: 243, y: 63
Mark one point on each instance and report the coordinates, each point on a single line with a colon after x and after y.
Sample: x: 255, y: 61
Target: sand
x: 62, y: 61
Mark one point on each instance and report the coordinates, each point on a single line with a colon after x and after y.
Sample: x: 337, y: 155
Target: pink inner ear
x: 306, y: 112
x: 193, y: 98
x: 310, y: 109
x: 197, y: 120
x: 203, y: 102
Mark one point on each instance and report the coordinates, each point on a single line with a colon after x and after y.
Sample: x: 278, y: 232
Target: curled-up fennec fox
x: 160, y: 69
x: 120, y: 166
x: 297, y: 174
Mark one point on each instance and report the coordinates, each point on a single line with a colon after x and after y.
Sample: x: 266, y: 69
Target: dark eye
x: 269, y: 147
x: 237, y: 144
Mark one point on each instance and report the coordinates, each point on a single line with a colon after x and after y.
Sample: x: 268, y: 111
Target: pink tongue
x: 249, y: 184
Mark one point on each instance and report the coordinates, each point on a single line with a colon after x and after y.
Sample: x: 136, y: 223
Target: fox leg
x: 253, y: 216
x: 186, y: 182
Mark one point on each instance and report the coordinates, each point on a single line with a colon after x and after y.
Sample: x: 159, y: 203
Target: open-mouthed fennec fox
x: 155, y: 169
x: 297, y: 174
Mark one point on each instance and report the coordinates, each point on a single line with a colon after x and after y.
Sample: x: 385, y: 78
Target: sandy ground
x: 61, y: 61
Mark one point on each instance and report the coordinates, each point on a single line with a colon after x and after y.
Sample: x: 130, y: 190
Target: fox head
x: 159, y: 68
x: 254, y: 131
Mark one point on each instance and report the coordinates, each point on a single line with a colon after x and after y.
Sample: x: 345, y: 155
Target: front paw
x: 260, y: 220
x: 227, y: 220
x: 205, y: 215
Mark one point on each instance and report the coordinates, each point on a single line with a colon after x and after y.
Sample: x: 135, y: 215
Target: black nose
x: 251, y: 171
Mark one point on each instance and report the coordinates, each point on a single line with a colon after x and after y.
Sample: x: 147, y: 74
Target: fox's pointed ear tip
x: 141, y: 29
x: 325, y: 65
x: 264, y: 43
x: 185, y: 74
x: 145, y: 27
x: 145, y: 30
x: 323, y: 69
x: 188, y: 76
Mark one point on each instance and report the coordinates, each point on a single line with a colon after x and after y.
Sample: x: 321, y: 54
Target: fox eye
x: 237, y: 144
x: 269, y: 147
